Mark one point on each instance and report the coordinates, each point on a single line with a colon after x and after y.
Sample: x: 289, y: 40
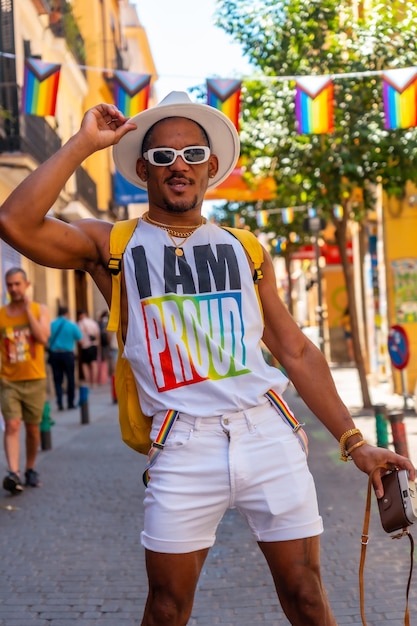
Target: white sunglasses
x: 168, y: 156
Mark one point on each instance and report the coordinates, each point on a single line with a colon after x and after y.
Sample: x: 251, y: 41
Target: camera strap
x: 364, y: 543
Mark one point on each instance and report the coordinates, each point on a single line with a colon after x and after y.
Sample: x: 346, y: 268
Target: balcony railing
x: 24, y: 133
x: 86, y: 189
x: 38, y: 138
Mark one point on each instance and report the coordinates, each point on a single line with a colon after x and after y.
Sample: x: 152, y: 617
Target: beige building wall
x: 139, y: 59
x: 99, y: 26
x: 112, y: 35
x: 30, y: 26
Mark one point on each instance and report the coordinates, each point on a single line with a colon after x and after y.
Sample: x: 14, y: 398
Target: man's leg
x: 94, y: 373
x: 11, y: 443
x: 12, y: 482
x: 70, y: 374
x: 33, y: 408
x: 295, y: 568
x: 57, y: 373
x: 33, y: 437
x: 172, y: 582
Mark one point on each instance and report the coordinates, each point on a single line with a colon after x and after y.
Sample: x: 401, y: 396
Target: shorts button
x: 226, y: 420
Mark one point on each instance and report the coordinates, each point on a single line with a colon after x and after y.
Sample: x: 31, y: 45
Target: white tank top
x: 194, y: 329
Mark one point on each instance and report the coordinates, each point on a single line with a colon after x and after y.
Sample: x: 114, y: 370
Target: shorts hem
x: 288, y: 534
x: 173, y: 547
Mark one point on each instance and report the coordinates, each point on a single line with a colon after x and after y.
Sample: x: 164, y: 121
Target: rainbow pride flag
x: 400, y: 98
x: 338, y: 211
x: 262, y: 218
x: 287, y: 215
x: 40, y: 87
x: 314, y: 104
x: 224, y: 94
x: 131, y: 92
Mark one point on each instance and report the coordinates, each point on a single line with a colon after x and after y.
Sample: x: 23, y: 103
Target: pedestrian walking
x: 62, y: 344
x: 105, y: 363
x: 90, y: 342
x: 24, y: 332
x: 193, y: 340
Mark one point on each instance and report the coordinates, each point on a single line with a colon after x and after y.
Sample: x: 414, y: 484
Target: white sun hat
x: 222, y: 134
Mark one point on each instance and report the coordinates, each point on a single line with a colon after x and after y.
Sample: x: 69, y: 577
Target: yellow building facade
x: 400, y: 249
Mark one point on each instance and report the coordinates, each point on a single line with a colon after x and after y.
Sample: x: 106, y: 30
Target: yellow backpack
x: 134, y: 425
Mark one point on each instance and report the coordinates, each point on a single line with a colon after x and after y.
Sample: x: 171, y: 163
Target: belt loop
x: 251, y: 426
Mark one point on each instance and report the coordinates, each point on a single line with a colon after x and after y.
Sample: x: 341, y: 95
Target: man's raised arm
x: 23, y: 221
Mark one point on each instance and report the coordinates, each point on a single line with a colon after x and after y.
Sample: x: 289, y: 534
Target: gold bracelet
x: 344, y: 438
x: 358, y: 444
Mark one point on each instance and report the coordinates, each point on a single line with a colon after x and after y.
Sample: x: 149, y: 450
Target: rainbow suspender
x: 284, y: 411
x: 159, y: 443
x: 171, y: 417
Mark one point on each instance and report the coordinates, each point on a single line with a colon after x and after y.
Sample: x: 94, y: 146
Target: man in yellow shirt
x: 24, y: 332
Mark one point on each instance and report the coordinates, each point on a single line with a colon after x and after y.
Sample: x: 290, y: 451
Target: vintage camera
x: 398, y: 506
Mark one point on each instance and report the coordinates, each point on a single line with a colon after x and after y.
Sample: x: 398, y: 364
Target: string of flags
x: 287, y: 214
x: 314, y: 95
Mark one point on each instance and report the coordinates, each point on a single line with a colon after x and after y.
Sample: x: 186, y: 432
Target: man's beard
x: 180, y: 206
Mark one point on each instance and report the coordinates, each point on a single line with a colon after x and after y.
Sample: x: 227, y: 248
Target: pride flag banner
x: 314, y: 104
x: 40, y: 87
x: 338, y: 211
x: 224, y: 94
x: 400, y: 98
x: 131, y: 92
x: 287, y: 215
x: 262, y: 218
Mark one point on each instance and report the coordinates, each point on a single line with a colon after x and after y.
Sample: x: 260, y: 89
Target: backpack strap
x: 252, y: 247
x: 255, y: 252
x: 119, y: 238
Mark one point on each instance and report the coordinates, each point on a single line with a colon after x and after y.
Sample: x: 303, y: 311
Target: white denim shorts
x: 249, y: 460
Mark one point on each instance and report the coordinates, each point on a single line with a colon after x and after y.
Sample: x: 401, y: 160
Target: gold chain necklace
x: 178, y: 250
x: 168, y: 227
x: 175, y: 233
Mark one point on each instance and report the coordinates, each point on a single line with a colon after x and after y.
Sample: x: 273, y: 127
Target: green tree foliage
x: 288, y: 38
x: 324, y: 37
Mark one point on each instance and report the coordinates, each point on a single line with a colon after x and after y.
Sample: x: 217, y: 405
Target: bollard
x: 85, y: 417
x: 398, y: 432
x: 45, y: 427
x: 381, y: 425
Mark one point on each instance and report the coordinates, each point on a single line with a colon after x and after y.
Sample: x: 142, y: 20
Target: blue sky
x: 186, y: 46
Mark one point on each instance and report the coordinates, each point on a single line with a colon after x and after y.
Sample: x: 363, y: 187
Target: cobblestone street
x: 71, y: 551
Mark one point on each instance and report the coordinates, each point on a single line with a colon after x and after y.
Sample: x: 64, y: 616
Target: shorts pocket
x: 281, y: 428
